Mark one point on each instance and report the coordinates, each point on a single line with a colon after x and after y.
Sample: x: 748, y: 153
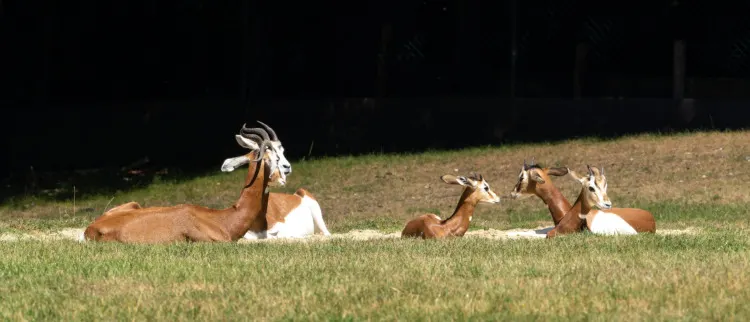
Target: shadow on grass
x: 62, y: 186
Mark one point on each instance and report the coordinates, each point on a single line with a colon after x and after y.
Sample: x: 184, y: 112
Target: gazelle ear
x: 451, y: 179
x: 575, y: 176
x: 246, y: 143
x: 558, y: 172
x: 233, y: 163
x: 537, y: 177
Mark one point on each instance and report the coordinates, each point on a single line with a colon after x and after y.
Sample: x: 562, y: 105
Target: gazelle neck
x: 458, y: 222
x: 585, y: 206
x: 249, y: 212
x: 554, y: 200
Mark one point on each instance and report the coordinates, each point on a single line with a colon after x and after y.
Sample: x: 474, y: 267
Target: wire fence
x: 632, y: 41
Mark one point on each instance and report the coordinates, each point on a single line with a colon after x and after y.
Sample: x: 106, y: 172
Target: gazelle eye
x: 486, y: 188
x: 591, y: 189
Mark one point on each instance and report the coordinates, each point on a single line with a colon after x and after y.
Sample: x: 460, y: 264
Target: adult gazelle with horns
x: 267, y: 165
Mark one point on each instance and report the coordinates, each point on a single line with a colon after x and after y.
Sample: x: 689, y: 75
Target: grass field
x: 692, y: 182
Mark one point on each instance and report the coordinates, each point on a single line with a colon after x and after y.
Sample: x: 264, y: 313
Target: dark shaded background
x: 93, y: 89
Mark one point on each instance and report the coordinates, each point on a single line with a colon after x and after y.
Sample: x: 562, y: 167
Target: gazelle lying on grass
x: 431, y: 226
x: 130, y: 223
x: 534, y: 180
x: 288, y: 216
x: 608, y: 220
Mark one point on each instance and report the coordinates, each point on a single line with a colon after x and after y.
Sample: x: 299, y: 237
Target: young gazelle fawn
x: 608, y: 220
x: 130, y: 223
x: 429, y: 226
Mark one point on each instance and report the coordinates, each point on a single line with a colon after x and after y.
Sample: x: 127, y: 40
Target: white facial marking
x: 595, y: 190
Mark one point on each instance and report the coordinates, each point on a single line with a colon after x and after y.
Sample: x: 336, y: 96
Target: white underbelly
x: 297, y: 224
x: 253, y: 235
x: 605, y: 223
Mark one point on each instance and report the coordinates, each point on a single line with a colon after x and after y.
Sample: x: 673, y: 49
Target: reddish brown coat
x: 131, y: 223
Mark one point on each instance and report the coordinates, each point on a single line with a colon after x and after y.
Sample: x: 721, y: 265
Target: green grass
x: 693, y: 181
x: 583, y: 277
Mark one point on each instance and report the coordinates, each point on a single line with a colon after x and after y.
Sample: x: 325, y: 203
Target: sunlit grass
x: 696, y: 181
x: 695, y: 277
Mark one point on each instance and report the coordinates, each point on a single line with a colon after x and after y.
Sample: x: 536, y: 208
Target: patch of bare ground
x: 695, y: 168
x: 358, y: 234
x: 383, y: 191
x: 62, y: 234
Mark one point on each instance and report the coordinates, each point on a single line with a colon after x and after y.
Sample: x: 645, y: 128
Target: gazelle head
x: 477, y: 189
x: 594, y: 187
x: 531, y: 176
x: 269, y: 150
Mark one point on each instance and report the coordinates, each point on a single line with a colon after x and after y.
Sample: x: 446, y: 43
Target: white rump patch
x: 298, y: 223
x: 607, y: 223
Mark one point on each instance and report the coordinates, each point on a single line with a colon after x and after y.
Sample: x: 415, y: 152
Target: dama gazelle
x: 428, y: 226
x: 130, y: 223
x: 288, y: 216
x: 534, y: 180
x: 593, y: 193
x: 608, y: 220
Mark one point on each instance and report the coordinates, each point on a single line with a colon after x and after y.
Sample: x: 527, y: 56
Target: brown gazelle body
x: 131, y: 223
x: 429, y: 226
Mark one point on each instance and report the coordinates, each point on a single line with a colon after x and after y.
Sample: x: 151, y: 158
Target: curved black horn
x: 253, y: 137
x: 591, y: 173
x: 525, y: 166
x: 270, y: 131
x: 261, y: 132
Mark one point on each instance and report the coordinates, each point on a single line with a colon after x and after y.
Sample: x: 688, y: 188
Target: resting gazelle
x: 608, y: 220
x: 429, y: 226
x: 288, y: 215
x: 267, y: 166
x: 568, y: 219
